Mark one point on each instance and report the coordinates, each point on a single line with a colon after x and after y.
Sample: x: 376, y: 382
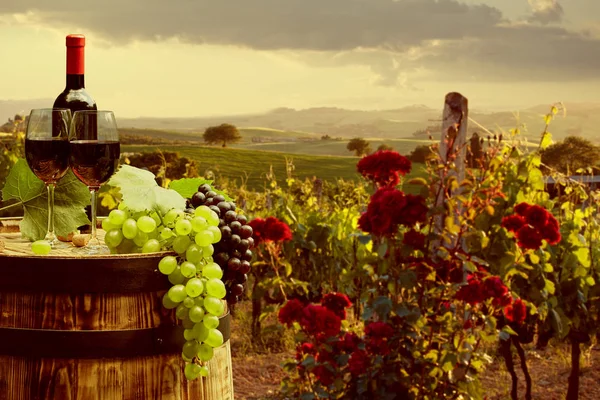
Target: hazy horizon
x: 203, y: 58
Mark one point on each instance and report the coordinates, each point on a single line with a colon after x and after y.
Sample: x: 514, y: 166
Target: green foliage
x: 70, y: 198
x: 224, y: 133
x: 165, y: 165
x: 359, y: 146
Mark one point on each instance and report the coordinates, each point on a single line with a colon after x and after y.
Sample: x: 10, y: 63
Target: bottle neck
x: 75, y: 81
x: 75, y: 67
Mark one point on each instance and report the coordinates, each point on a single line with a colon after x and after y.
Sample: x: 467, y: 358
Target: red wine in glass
x: 94, y: 161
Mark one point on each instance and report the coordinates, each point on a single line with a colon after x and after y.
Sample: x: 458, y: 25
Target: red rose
x: 415, y: 210
x: 257, y: 225
x: 521, y: 209
x: 319, y: 320
x: 516, y: 312
x: 497, y: 290
x: 472, y: 293
x: 529, y: 238
x: 323, y: 374
x: 377, y: 337
x: 269, y: 230
x: 291, y: 312
x: 513, y: 223
x: 383, y: 167
x: 349, y: 342
x: 337, y: 302
x: 358, y: 362
x: 305, y: 348
x: 551, y: 234
x: 414, y: 239
x: 536, y: 216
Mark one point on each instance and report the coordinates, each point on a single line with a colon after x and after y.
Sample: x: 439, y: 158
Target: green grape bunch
x: 197, y: 290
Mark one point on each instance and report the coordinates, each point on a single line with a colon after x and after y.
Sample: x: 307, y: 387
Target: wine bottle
x: 75, y: 97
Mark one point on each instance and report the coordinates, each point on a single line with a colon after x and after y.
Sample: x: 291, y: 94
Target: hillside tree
x: 224, y: 133
x: 570, y: 154
x: 421, y: 154
x: 359, y: 146
x: 384, y: 146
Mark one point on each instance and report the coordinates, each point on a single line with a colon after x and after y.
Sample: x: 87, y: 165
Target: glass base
x: 57, y: 244
x: 92, y: 250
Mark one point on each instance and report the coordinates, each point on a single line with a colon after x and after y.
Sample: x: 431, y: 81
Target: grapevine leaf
x: 546, y: 140
x: 188, y: 186
x: 141, y: 192
x: 70, y: 198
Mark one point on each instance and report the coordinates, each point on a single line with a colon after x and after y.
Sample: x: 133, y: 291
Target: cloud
x: 546, y: 11
x: 398, y: 40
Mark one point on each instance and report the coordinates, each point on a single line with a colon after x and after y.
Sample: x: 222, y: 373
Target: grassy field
x: 332, y: 147
x: 252, y: 166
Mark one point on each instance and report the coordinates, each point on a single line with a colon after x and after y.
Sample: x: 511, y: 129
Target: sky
x: 183, y: 58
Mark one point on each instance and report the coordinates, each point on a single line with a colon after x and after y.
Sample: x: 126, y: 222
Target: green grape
x: 176, y: 277
x: 123, y: 207
x: 205, y: 352
x: 190, y: 348
x: 208, y: 251
x: 126, y: 247
x: 153, y: 234
x: 114, y: 237
x: 214, y: 306
x: 199, y: 224
x: 212, y: 219
x: 183, y: 227
x: 151, y: 246
x: 156, y: 218
x: 214, y: 338
x: 130, y: 228
x: 165, y: 233
x: 204, y: 238
x: 188, y: 269
x: 117, y: 217
x: 167, y: 302
x: 177, y: 293
x: 140, y: 238
x: 203, y: 211
x: 212, y: 270
x: 180, y: 244
x: 171, y: 216
x: 41, y: 247
x: 194, y: 287
x: 210, y: 321
x: 193, y: 254
x: 189, y: 302
x: 216, y: 233
x: 181, y: 312
x: 199, y: 301
x: 146, y: 224
x: 186, y: 358
x: 216, y: 287
x: 204, y: 371
x: 192, y: 371
x: 187, y: 323
x: 167, y: 265
x: 196, y: 314
x: 107, y: 226
x: 188, y: 334
x: 138, y: 215
x: 200, y: 332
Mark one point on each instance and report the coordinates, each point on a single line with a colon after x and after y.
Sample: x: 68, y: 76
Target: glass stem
x: 93, y: 240
x: 50, y: 236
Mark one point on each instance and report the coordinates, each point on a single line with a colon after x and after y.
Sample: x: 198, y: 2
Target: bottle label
x: 75, y: 64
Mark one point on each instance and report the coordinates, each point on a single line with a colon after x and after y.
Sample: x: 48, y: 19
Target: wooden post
x: 453, y: 147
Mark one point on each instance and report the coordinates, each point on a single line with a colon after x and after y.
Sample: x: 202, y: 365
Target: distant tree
x: 325, y: 137
x: 359, y: 146
x: 475, y: 151
x: 224, y: 133
x: 384, y: 146
x: 570, y: 154
x: 421, y: 154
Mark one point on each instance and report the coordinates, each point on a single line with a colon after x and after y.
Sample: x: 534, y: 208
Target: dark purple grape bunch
x: 233, y: 252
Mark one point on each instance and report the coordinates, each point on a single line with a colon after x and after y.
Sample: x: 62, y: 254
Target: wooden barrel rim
x: 51, y: 343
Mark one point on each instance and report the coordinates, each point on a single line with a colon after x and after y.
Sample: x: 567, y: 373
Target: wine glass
x: 47, y: 154
x: 94, y: 157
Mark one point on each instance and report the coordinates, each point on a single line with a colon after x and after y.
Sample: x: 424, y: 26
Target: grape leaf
x: 188, y: 186
x: 141, y: 192
x: 70, y: 198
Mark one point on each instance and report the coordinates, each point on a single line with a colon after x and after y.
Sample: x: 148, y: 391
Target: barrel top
x: 68, y: 272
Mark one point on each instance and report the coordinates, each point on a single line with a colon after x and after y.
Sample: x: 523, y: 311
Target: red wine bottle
x: 75, y: 97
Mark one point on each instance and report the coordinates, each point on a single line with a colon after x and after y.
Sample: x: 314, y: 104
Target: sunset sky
x: 170, y: 58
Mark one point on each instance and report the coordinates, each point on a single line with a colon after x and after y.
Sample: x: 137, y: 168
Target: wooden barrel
x: 94, y: 328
